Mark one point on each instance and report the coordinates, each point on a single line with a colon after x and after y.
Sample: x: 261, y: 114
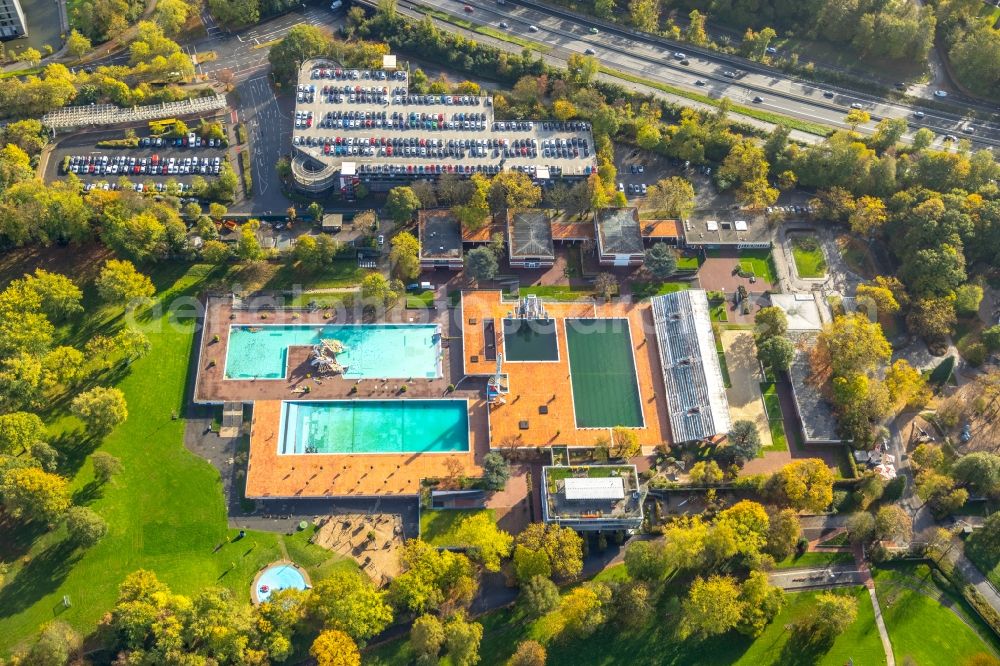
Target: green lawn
x: 438, y: 527
x: 816, y: 559
x: 779, y: 441
x: 921, y: 629
x: 775, y: 421
x: 984, y: 556
x: 689, y: 263
x: 340, y: 273
x: 644, y: 290
x: 557, y: 292
x: 808, y: 255
x: 165, y: 512
x: 656, y: 645
x: 717, y: 310
x: 422, y: 301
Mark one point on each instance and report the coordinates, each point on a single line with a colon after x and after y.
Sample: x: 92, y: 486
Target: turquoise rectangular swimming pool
x: 374, y: 426
x: 371, y: 351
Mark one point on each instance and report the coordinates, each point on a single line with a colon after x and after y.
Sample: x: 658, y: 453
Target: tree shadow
x: 18, y: 536
x: 802, y: 649
x: 41, y: 576
x: 74, y: 446
x: 88, y: 493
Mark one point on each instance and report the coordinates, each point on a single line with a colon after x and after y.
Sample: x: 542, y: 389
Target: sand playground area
x: 373, y: 540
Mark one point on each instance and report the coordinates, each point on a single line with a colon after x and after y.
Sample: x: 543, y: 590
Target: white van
x: 336, y: 5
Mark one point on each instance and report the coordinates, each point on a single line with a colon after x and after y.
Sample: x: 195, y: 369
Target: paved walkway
x: 890, y: 659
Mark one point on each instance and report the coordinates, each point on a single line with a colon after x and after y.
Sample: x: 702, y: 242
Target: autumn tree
x: 583, y: 609
x: 348, y: 601
x: 892, y: 522
x: 512, y: 190
x: 850, y: 344
x: 335, y: 648
x: 776, y: 352
x: 105, y: 465
x: 100, y: 409
x: 980, y: 471
x: 426, y: 638
x: 559, y: 550
x: 769, y: 322
x: 832, y: 614
x: 856, y: 117
x: 474, y: 208
x: 85, y: 526
x: 401, y: 204
x: 783, y: 534
x: 646, y: 561
x: 706, y: 472
x: 34, y: 494
x: 868, y: 217
x: 539, y: 596
x: 405, y: 256
x: 624, y: 443
x: 432, y: 579
x: 120, y: 283
x: 712, y: 606
x: 645, y: 14
x: 761, y: 602
x: 528, y: 653
x: 462, y: 640
x: 487, y: 543
x: 376, y: 288
x: 606, y: 284
x: 19, y: 431
x: 803, y: 484
x: 906, y: 385
x: 673, y: 197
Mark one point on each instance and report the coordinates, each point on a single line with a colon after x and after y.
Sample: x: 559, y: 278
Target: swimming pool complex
x: 374, y: 426
x: 371, y: 351
x: 280, y: 576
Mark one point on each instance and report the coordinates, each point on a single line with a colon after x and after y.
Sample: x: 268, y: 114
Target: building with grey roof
x: 692, y: 376
x: 529, y: 238
x: 592, y: 497
x: 816, y: 418
x: 440, y: 239
x: 619, y: 239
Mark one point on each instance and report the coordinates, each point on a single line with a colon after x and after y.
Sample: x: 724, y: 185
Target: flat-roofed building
x: 692, y: 376
x: 619, y: 242
x: 440, y: 239
x: 744, y: 233
x: 529, y: 238
x: 592, y: 497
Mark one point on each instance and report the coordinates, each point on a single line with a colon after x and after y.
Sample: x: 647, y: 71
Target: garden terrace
x: 815, y: 412
x: 595, y: 497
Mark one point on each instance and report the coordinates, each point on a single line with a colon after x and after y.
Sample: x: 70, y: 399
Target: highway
x: 652, y: 58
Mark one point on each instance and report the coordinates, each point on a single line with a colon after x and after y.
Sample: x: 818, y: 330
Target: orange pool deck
x: 536, y: 384
x: 272, y: 475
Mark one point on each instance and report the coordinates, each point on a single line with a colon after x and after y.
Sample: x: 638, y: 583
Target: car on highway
x: 899, y: 85
x: 643, y: 186
x: 940, y: 93
x: 621, y: 187
x: 468, y: 8
x: 589, y: 52
x: 950, y: 137
x: 699, y: 82
x: 857, y: 105
x: 919, y: 114
x: 532, y: 28
x: 594, y: 31
x: 729, y: 74
x: 969, y: 129
x: 771, y: 50
x: 504, y: 24
x: 679, y: 56
x: 758, y: 99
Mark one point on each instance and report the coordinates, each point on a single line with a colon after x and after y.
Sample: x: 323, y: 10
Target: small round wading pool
x: 277, y: 576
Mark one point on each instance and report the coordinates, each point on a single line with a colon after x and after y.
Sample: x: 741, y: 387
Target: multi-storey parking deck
x: 366, y: 126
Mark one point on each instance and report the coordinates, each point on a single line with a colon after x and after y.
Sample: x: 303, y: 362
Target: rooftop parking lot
x: 369, y: 118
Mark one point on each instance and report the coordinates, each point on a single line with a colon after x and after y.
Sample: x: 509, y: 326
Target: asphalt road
x: 653, y: 59
x: 802, y: 579
x: 268, y: 121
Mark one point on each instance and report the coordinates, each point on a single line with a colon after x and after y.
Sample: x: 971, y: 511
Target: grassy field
x: 808, y: 255
x: 656, y: 645
x: 775, y: 421
x: 816, y: 559
x: 557, y: 292
x: 438, y: 527
x: 644, y: 290
x: 921, y: 629
x: 165, y: 512
x: 421, y: 301
x: 688, y: 263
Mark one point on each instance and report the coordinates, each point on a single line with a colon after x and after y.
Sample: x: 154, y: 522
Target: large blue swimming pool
x: 371, y: 351
x: 374, y: 426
